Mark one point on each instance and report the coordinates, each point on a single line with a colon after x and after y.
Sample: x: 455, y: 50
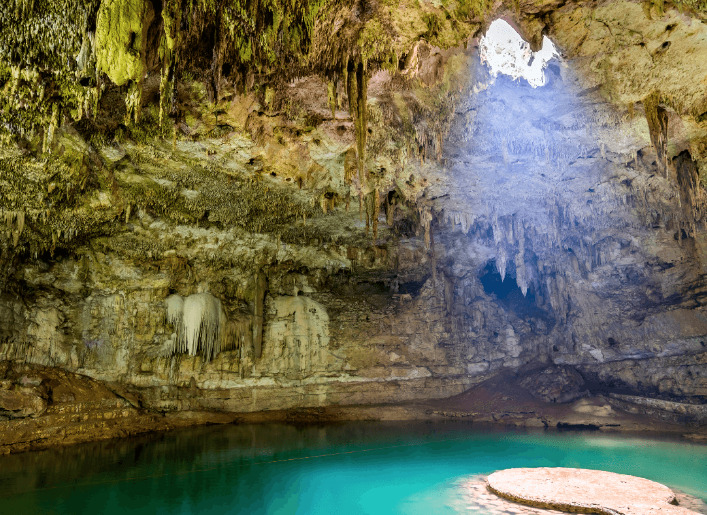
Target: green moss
x: 44, y: 49
x: 58, y: 195
x: 466, y: 9
x: 433, y: 25
x: 256, y: 37
x: 374, y: 42
x: 49, y: 43
x: 171, y: 20
x: 698, y: 6
x: 147, y: 130
x: 657, y: 7
x: 121, y: 30
x: 245, y: 51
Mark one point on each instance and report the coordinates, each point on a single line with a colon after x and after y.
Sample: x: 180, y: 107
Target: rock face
x: 383, y: 222
x: 19, y: 402
x: 47, y: 406
x: 555, y: 384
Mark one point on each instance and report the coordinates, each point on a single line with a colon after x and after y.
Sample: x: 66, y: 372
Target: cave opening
x: 511, y: 161
x: 508, y: 293
x: 501, y: 287
x: 505, y: 52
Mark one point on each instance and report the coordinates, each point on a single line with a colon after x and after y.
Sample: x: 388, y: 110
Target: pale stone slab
x: 585, y: 491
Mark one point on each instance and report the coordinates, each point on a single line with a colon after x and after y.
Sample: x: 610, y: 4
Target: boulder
x: 21, y: 402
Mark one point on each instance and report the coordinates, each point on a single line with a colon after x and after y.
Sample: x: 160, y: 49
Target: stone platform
x: 585, y: 491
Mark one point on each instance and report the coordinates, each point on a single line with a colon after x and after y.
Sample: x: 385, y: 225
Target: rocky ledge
x: 41, y: 407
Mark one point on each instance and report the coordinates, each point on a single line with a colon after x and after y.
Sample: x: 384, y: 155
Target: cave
x: 509, y: 294
x: 394, y: 246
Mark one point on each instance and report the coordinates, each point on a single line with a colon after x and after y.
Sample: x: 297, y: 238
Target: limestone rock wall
x: 374, y: 227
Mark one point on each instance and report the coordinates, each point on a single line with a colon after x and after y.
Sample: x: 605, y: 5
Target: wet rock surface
x: 18, y: 402
x: 63, y: 408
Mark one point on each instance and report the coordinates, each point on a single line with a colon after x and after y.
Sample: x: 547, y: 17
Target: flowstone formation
x: 200, y: 324
x: 239, y: 207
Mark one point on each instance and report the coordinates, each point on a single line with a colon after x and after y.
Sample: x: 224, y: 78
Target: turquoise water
x: 361, y: 468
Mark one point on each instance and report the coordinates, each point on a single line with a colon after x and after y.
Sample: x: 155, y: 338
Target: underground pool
x: 343, y: 468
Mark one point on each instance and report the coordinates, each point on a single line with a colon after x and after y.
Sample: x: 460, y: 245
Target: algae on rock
x: 121, y: 33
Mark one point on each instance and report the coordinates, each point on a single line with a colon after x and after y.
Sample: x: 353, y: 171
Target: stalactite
x: 51, y: 129
x: 15, y: 223
x: 501, y: 262
x: 521, y: 273
x: 20, y: 226
x: 350, y: 165
x: 496, y: 227
x: 200, y: 323
x: 426, y: 222
x: 175, y: 310
x: 692, y: 198
x: 352, y: 92
x: 121, y: 38
x: 332, y: 97
x: 357, y: 91
x: 657, y: 119
x: 465, y: 222
x: 171, y: 20
x: 376, y: 212
x: 240, y: 335
x: 390, y: 202
x: 258, y: 313
x: 133, y: 102
x: 217, y: 59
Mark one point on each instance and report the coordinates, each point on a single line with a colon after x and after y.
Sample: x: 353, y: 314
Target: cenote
x: 355, y: 467
x: 229, y: 212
